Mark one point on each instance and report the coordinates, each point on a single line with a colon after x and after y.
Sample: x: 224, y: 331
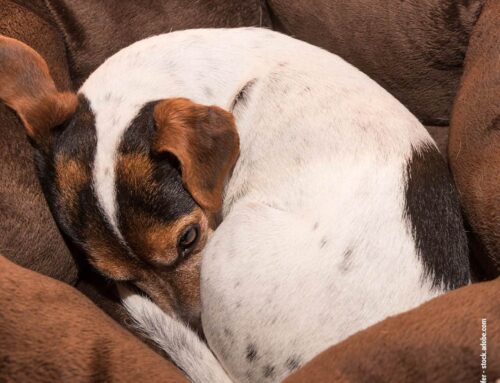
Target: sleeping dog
x: 338, y: 212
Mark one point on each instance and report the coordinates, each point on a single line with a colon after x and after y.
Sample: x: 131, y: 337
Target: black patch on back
x: 433, y: 211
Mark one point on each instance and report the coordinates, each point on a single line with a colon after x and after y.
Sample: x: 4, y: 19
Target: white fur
x: 314, y: 245
x: 175, y: 338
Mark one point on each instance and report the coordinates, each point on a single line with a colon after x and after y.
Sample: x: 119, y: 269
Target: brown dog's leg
x: 49, y: 332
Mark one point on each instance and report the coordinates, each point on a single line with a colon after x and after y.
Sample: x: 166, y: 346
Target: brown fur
x: 413, y: 48
x: 440, y: 135
x: 71, y: 176
x: 94, y: 30
x: 474, y: 151
x: 29, y: 235
x: 206, y: 143
x: 135, y: 168
x: 51, y: 333
x: 155, y: 239
x: 436, y: 342
x: 33, y: 94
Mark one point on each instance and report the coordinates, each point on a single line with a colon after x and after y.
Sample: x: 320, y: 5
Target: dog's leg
x: 183, y: 346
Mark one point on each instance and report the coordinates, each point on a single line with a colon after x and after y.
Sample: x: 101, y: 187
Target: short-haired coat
x: 338, y: 212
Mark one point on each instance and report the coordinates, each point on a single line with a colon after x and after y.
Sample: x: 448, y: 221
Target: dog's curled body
x: 338, y: 213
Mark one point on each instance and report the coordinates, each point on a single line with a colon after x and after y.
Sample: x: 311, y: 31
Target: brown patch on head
x: 71, y: 177
x: 204, y: 140
x: 27, y: 87
x: 135, y: 169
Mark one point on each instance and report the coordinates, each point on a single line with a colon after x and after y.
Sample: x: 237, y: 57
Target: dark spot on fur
x: 100, y: 361
x: 323, y: 242
x: 208, y: 92
x: 315, y: 226
x: 433, y: 212
x: 292, y: 363
x: 242, y: 95
x: 346, y: 260
x: 495, y: 124
x: 268, y: 371
x: 251, y: 352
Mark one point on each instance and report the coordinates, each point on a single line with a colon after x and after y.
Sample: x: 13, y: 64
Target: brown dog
x: 440, y: 341
x: 414, y: 48
x: 29, y: 235
x: 94, y: 30
x: 474, y: 151
x: 51, y: 333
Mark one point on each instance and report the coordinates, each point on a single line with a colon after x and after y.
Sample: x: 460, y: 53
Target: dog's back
x: 339, y: 213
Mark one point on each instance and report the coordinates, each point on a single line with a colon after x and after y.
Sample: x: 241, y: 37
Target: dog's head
x: 149, y: 223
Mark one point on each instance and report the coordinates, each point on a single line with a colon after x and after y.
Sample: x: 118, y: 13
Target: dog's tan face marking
x: 135, y: 168
x: 71, y: 178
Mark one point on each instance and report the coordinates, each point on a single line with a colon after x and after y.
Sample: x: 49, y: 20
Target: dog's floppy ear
x: 27, y: 87
x: 204, y: 140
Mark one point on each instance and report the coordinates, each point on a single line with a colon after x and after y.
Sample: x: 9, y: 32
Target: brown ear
x: 27, y: 87
x: 204, y: 140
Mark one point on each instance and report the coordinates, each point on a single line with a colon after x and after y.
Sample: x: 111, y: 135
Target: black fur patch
x: 433, y: 210
x: 251, y: 352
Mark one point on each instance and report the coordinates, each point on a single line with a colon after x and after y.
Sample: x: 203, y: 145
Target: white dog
x: 338, y: 213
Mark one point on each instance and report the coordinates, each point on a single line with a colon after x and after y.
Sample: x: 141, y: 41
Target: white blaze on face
x: 111, y: 124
